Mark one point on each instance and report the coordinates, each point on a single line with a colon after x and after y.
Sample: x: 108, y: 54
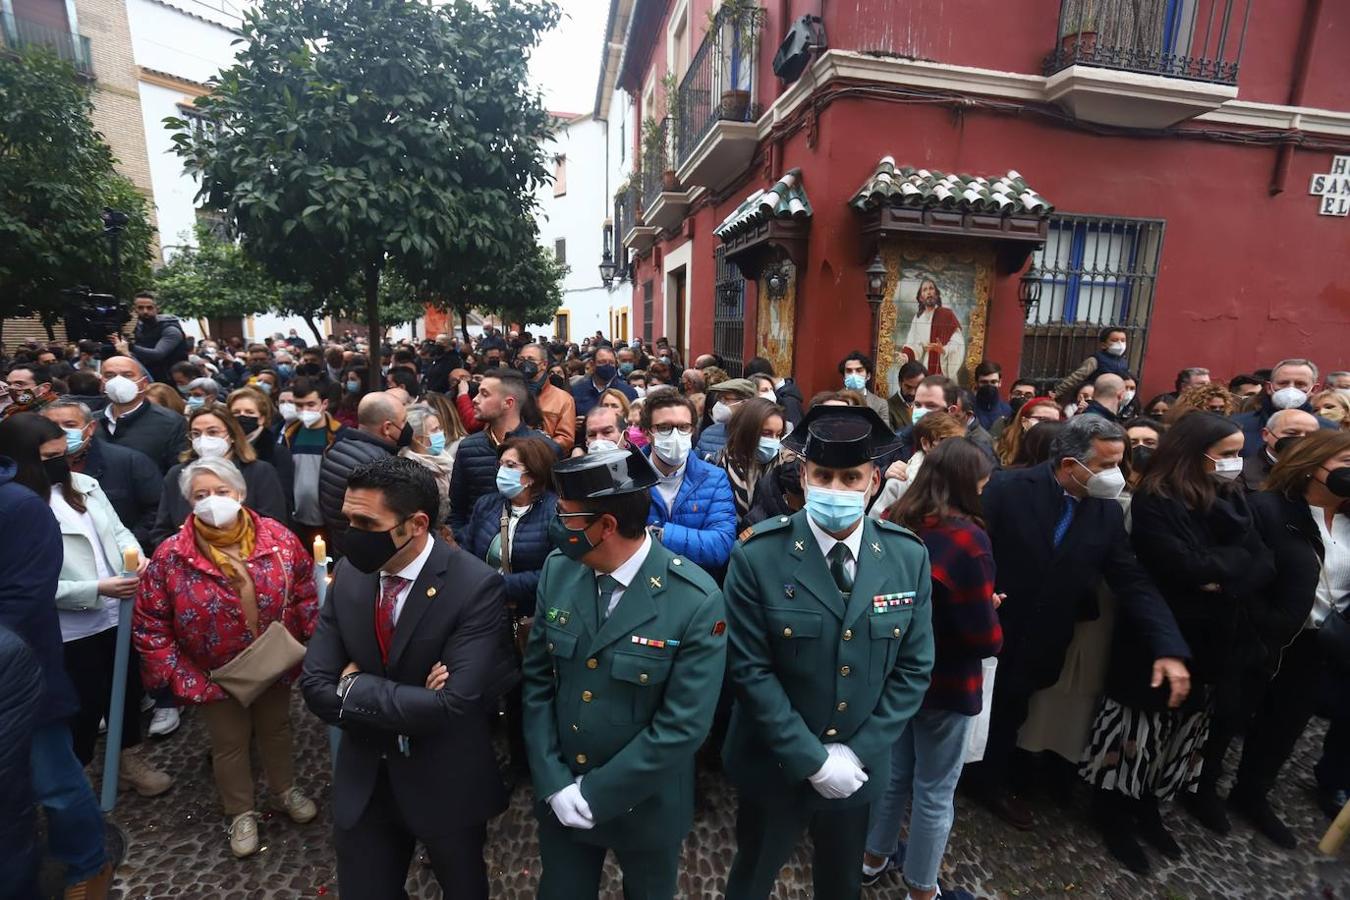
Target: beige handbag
x: 260, y: 664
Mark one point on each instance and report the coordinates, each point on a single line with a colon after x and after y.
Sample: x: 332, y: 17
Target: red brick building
x: 1151, y: 163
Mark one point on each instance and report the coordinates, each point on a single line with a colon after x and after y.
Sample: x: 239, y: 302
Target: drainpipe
x: 1307, y: 39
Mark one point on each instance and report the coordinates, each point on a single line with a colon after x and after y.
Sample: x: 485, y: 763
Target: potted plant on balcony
x: 654, y: 156
x: 1078, y: 29
x: 671, y: 85
x: 736, y: 56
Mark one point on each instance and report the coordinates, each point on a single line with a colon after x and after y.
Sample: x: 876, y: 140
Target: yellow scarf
x: 229, y: 548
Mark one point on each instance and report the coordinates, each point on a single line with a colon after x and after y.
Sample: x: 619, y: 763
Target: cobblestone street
x: 178, y: 848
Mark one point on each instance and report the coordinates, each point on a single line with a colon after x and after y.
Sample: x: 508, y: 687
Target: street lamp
x: 876, y: 287
x: 1029, y: 290
x: 776, y: 281
x: 607, y: 268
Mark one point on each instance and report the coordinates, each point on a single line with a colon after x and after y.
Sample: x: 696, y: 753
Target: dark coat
x: 1094, y: 408
x: 158, y: 345
x: 159, y: 433
x: 1280, y: 612
x: 264, y: 497
x: 1050, y: 588
x: 270, y: 449
x: 20, y: 702
x: 529, y: 548
x: 30, y: 565
x: 1255, y: 470
x: 351, y: 448
x: 790, y: 398
x: 132, y: 483
x: 475, y: 472
x: 454, y: 614
x: 1182, y: 550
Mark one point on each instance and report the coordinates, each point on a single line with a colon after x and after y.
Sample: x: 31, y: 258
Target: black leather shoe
x: 1123, y: 846
x: 1011, y: 810
x: 1256, y: 809
x: 1152, y: 829
x: 1208, y: 810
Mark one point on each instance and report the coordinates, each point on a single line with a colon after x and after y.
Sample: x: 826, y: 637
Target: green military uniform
x: 813, y: 665
x: 624, y: 701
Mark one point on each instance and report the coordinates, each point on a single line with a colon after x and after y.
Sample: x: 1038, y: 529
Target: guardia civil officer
x: 622, y: 672
x: 831, y: 651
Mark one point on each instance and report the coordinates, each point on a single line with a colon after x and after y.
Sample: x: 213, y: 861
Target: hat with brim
x: 606, y: 473
x: 841, y: 437
x: 743, y: 387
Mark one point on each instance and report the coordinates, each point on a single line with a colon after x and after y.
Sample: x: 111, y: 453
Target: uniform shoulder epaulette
x: 891, y: 527
x: 771, y: 524
x: 694, y: 574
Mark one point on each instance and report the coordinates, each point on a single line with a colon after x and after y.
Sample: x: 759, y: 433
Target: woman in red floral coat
x: 208, y: 592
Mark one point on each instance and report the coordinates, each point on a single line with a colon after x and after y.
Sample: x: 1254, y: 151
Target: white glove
x: 841, y: 776
x: 571, y: 808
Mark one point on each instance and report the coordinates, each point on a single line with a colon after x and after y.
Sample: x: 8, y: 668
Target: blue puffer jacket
x: 711, y: 441
x: 701, y: 524
x: 475, y: 473
x: 529, y: 548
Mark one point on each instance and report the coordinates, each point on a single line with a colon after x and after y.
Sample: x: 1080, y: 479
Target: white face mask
x: 311, y: 417
x: 1288, y: 398
x: 1227, y: 469
x: 217, y: 511
x: 120, y: 389
x: 288, y: 412
x: 600, y: 445
x: 673, y: 448
x: 1126, y: 399
x: 1105, y: 485
x: 721, y: 412
x: 1116, y: 349
x: 771, y: 396
x: 208, y: 447
x: 1070, y: 410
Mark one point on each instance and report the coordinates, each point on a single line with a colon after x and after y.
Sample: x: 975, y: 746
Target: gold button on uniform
x: 843, y: 705
x: 895, y: 632
x: 550, y: 646
x: 581, y: 759
x: 575, y: 728
x: 844, y: 670
x: 787, y: 632
x: 642, y: 679
x: 831, y: 732
x: 586, y: 696
x: 848, y: 634
x: 592, y: 663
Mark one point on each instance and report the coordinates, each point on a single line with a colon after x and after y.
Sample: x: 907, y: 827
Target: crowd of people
x: 612, y: 561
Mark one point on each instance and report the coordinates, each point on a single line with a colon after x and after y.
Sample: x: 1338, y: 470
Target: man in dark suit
x: 1057, y: 531
x: 410, y: 653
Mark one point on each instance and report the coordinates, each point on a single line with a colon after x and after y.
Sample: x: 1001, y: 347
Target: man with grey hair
x: 1292, y: 383
x: 381, y: 430
x: 1057, y: 532
x: 1338, y: 381
x: 201, y: 391
x: 131, y: 421
x: 129, y: 478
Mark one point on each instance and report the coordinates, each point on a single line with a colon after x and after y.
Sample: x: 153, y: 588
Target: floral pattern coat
x: 188, y: 620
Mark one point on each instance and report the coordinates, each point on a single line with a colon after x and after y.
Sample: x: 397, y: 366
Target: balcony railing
x: 18, y: 34
x: 1198, y: 40
x: 719, y: 86
x: 655, y: 160
x: 626, y: 209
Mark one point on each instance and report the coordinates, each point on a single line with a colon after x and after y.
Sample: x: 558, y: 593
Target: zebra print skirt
x: 1145, y: 754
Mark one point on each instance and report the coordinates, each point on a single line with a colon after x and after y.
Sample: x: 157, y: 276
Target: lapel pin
x: 655, y: 582
x: 798, y: 546
x: 431, y: 592
x: 789, y: 591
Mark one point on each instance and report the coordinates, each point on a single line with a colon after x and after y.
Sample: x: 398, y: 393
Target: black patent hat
x: 841, y: 437
x: 606, y: 473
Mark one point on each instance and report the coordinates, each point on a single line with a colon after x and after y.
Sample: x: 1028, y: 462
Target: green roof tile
x: 785, y: 200
x: 892, y: 185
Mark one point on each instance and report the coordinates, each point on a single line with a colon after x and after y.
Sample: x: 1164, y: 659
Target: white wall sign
x: 1333, y: 188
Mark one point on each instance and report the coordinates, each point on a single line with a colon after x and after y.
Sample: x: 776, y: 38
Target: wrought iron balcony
x: 1196, y: 40
x: 18, y: 34
x: 719, y: 85
x: 656, y: 160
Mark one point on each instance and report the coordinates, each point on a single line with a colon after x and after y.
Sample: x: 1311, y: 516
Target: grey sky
x: 567, y: 63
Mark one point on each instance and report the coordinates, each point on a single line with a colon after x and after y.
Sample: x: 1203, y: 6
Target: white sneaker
x: 165, y: 721
x: 244, y: 834
x: 147, y: 703
x: 295, y: 804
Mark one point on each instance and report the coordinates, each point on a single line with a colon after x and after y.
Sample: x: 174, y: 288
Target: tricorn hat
x: 604, y: 473
x: 841, y: 437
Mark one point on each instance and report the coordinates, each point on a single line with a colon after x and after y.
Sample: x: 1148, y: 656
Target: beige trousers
x: 232, y: 726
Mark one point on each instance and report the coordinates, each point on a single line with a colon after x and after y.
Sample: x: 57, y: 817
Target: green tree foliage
x: 215, y: 279
x: 357, y: 137
x: 56, y: 175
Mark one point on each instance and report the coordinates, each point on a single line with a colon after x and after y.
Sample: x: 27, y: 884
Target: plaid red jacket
x: 965, y: 624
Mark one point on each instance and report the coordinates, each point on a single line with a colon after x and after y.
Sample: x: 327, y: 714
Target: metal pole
x: 112, y: 753
x: 321, y: 588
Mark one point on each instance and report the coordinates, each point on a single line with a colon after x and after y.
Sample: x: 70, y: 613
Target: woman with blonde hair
x: 1030, y: 414
x: 161, y: 394
x: 1332, y: 406
x: 431, y: 448
x: 1212, y: 397
x: 448, y: 413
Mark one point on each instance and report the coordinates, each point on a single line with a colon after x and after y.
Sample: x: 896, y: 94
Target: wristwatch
x: 345, y: 684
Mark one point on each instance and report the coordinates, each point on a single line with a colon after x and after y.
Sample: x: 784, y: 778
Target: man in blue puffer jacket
x: 692, y: 512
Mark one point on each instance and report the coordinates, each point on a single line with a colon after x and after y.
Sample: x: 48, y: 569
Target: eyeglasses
x: 665, y: 430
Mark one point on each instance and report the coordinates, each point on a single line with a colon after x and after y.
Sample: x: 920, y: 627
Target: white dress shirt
x: 410, y: 572
x: 113, y: 418
x: 1333, y: 587
x: 826, y: 542
x: 668, y: 486
x: 626, y: 572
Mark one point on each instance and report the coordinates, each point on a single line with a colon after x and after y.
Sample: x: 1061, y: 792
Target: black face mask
x: 1017, y: 403
x: 56, y: 469
x: 529, y: 369
x: 405, y: 436
x: 986, y: 395
x: 558, y: 381
x: 368, y: 551
x: 1140, y: 457
x: 1283, y: 443
x: 1338, y: 481
x: 248, y: 423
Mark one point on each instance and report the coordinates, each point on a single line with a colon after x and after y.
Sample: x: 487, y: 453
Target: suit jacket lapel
x: 362, y: 591
x: 870, y: 575
x: 420, y: 598
x: 1048, y: 498
x: 638, y: 603
x: 810, y: 569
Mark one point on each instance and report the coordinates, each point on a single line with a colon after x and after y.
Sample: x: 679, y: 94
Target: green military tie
x: 606, y: 585
x: 839, y: 555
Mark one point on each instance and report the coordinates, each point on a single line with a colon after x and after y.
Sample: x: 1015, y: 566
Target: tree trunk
x: 373, y: 377
x: 464, y: 323
x: 318, y: 338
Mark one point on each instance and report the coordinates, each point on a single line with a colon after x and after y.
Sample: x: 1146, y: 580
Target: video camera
x: 93, y: 317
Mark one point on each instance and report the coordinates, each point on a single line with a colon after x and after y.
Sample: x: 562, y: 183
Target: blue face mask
x: 196, y: 402
x: 74, y: 440
x: 285, y: 370
x: 768, y: 449
x: 625, y: 369
x: 353, y: 387
x: 854, y: 382
x: 834, y: 510
x: 264, y: 386
x: 436, y: 443
x: 508, y: 482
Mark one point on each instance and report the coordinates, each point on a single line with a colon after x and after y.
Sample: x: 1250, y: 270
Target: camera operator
x: 158, y: 341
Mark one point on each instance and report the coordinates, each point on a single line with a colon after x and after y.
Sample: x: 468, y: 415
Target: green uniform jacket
x: 627, y: 716
x: 808, y: 671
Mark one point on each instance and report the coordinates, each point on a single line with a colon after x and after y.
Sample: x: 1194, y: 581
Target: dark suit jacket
x: 455, y: 614
x: 1049, y: 589
x: 132, y: 483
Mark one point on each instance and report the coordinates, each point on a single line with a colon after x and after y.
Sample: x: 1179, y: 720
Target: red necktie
x: 390, y: 586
